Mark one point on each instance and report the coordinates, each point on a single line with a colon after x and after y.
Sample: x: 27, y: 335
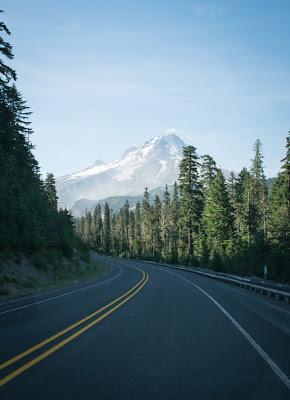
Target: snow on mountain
x: 154, y: 164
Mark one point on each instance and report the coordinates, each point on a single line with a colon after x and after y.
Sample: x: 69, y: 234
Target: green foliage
x: 29, y: 218
x: 50, y: 190
x: 190, y: 203
x: 228, y: 226
x: 166, y: 226
x: 279, y: 224
x: 217, y: 221
x: 156, y: 228
x: 107, y: 229
x: 208, y: 171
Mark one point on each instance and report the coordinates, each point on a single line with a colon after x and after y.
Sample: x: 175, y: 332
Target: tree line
x: 29, y: 218
x: 233, y: 225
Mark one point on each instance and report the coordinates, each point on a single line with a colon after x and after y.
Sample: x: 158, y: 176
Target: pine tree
x: 115, y: 242
x: 190, y: 202
x: 279, y: 220
x: 146, y: 227
x: 98, y: 227
x: 124, y: 228
x: 29, y: 219
x: 107, y: 229
x: 50, y: 189
x: 6, y: 73
x: 66, y: 233
x: 232, y: 191
x: 259, y: 194
x: 175, y: 215
x: 166, y: 226
x: 131, y: 233
x: 88, y: 237
x: 286, y: 167
x: 220, y: 226
x: 79, y: 227
x: 138, y: 242
x: 156, y: 228
x: 217, y: 220
x: 208, y: 171
x: 245, y: 212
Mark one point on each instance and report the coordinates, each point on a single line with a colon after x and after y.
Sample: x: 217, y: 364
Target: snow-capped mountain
x: 154, y: 164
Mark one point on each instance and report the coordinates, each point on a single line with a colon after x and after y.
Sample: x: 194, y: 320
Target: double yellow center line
x: 113, y: 306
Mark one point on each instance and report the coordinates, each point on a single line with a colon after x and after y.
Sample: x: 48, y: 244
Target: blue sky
x: 102, y: 76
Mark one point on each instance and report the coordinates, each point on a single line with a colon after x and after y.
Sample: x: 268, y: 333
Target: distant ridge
x: 154, y: 164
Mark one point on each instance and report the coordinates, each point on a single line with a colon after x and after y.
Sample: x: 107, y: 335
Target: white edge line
x: 61, y: 295
x: 47, y: 291
x: 234, y: 288
x: 283, y: 377
x: 243, y: 292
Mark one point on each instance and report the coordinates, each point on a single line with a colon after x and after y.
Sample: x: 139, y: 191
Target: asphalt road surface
x: 142, y: 331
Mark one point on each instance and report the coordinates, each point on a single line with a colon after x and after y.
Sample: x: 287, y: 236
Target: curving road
x: 143, y: 331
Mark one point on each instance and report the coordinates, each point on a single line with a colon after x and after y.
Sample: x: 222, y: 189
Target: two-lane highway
x: 145, y: 331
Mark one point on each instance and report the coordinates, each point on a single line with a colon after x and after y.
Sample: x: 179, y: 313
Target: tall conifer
x: 190, y: 202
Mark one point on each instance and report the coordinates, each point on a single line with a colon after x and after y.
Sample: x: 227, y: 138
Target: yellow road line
x: 53, y: 349
x: 68, y: 329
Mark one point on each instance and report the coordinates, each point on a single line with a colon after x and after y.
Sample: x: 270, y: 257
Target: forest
x: 236, y: 225
x: 30, y: 222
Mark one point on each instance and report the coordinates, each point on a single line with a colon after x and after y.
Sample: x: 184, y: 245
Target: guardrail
x: 238, y: 281
x: 241, y: 282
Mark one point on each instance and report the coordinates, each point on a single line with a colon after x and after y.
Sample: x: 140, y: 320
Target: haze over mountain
x: 116, y: 202
x: 154, y: 164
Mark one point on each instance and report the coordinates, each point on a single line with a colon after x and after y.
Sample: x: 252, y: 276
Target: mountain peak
x: 99, y: 162
x: 172, y: 138
x: 168, y: 136
x: 151, y: 165
x: 129, y: 150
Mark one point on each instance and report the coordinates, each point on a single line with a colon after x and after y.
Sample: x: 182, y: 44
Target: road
x: 142, y: 331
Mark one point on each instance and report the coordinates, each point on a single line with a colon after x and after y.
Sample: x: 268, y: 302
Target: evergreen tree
x: 79, y: 228
x: 286, y: 168
x: 115, y: 242
x: 107, y: 229
x: 6, y: 73
x: 66, y: 233
x: 137, y: 242
x: 166, y: 226
x: 190, y: 202
x: 88, y: 236
x: 124, y: 228
x: 217, y: 220
x: 98, y: 227
x: 221, y: 227
x: 29, y: 219
x: 146, y: 227
x: 50, y: 189
x: 131, y: 233
x: 245, y: 212
x: 279, y: 221
x: 232, y: 190
x: 259, y: 194
x: 208, y: 171
x: 175, y: 215
x: 279, y: 217
x: 156, y: 228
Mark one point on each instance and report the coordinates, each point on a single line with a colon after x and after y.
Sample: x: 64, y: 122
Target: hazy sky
x: 102, y: 76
